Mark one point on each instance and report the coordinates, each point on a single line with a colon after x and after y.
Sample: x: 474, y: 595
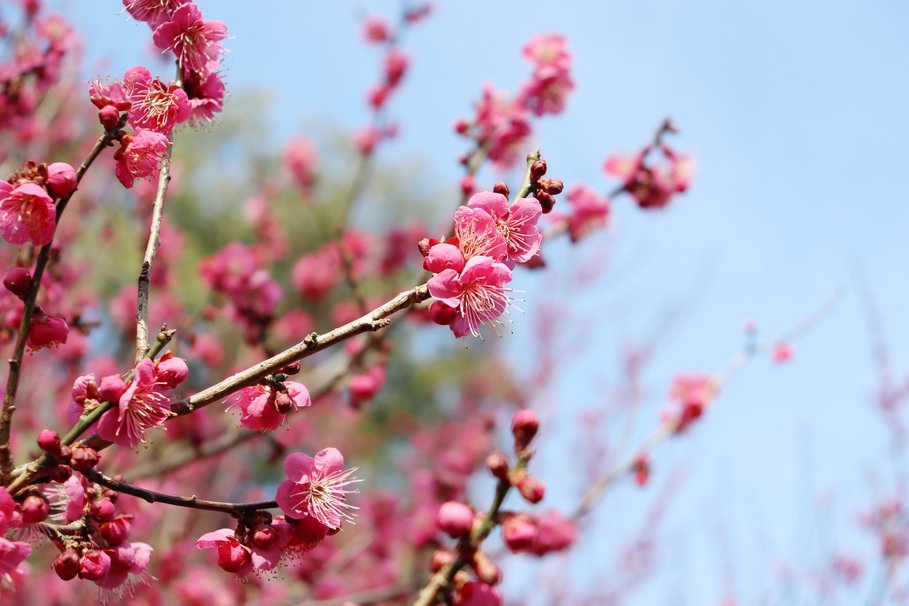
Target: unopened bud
x: 537, y: 170
x: 67, y: 564
x: 532, y: 489
x: 60, y: 473
x: 84, y: 458
x: 486, y: 569
x: 501, y: 188
x: 34, y: 509
x: 441, y: 559
x: 102, y: 510
x: 116, y: 531
x: 497, y: 463
x: 547, y: 202
x: 291, y: 369
x: 17, y: 281
x: 552, y: 187
x: 454, y: 519
x: 524, y: 427
x: 49, y: 441
x: 109, y: 117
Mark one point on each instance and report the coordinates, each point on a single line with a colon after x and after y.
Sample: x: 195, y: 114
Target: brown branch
x: 151, y: 250
x: 15, y: 362
x: 234, y: 509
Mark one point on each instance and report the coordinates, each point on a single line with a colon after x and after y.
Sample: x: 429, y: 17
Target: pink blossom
x: 12, y: 553
x: 478, y: 293
x: 547, y: 91
x: 315, y: 274
x: 478, y: 234
x: 206, y: 93
x: 652, y: 185
x: 375, y: 29
x: 153, y: 12
x: 192, y: 39
x: 110, y: 94
x: 233, y: 556
x: 502, y: 127
x: 154, y: 105
x: 365, y: 386
x: 142, y: 406
x: 46, y: 331
x: 781, y: 353
x: 548, y: 50
x: 517, y: 223
x: 27, y: 214
x: 589, y: 211
x: 300, y: 159
x: 690, y: 395
x: 555, y: 532
x: 127, y: 561
x: 263, y: 408
x: 316, y: 487
x: 74, y: 493
x: 396, y: 62
x: 139, y: 156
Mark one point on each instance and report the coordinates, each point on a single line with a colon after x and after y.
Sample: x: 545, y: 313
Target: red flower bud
x: 67, y: 564
x: 454, y: 519
x: 109, y: 117
x: 95, y: 564
x: 17, y: 281
x: 501, y: 188
x: 519, y: 532
x: 524, y: 427
x: 84, y: 458
x: 61, y: 179
x: 116, y: 531
x: 49, y: 441
x: 34, y: 509
x: 537, y: 170
x: 532, y: 489
x: 497, y: 463
x: 102, y: 510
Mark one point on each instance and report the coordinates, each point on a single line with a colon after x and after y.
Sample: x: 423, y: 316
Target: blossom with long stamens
x: 477, y: 292
x: 317, y: 487
x: 27, y: 214
x: 263, y: 408
x: 154, y: 105
x: 143, y: 405
x: 476, y: 232
x: 516, y: 223
x: 192, y: 39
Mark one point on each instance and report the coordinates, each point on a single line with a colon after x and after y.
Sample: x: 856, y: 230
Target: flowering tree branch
x: 15, y: 362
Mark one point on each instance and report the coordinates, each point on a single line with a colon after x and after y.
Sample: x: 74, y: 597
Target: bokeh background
x: 796, y: 115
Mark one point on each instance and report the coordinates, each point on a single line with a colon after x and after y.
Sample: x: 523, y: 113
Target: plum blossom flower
x: 206, y: 92
x: 317, y: 487
x: 154, y: 105
x: 192, y: 39
x: 478, y: 292
x: 517, y: 223
x: 263, y: 407
x: 477, y: 234
x: 652, y: 185
x: 142, y: 406
x: 128, y: 563
x: 27, y: 214
x: 139, y: 156
x: 12, y: 553
x: 153, y: 12
x: 589, y: 211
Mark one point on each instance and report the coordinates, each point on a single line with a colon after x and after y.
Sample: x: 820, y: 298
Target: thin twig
x: 151, y: 250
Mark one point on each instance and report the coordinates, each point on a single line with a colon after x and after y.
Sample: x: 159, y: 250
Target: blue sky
x: 796, y: 114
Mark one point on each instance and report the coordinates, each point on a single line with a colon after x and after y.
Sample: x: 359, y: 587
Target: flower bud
x: 532, y: 489
x: 425, y: 244
x: 442, y: 314
x: 524, y: 427
x: 264, y: 537
x: 497, y: 463
x: 291, y: 369
x: 84, y: 458
x: 547, y: 202
x: 95, y: 564
x: 109, y: 117
x: 116, y: 531
x: 232, y: 556
x: 519, y: 531
x: 102, y: 510
x: 171, y: 370
x: 46, y: 331
x: 111, y: 388
x: 454, y: 519
x: 34, y: 509
x: 67, y: 564
x: 61, y: 179
x: 553, y: 187
x: 537, y: 170
x: 462, y: 127
x: 467, y: 184
x: 440, y: 559
x: 486, y: 569
x: 17, y: 281
x: 501, y: 188
x: 60, y: 473
x: 49, y: 441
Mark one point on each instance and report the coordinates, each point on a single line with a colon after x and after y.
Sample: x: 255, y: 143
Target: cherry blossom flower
x: 27, y: 214
x: 317, y: 487
x: 154, y: 105
x: 263, y: 408
x: 192, y: 39
x: 142, y: 406
x: 478, y: 293
x: 139, y: 156
x: 517, y: 223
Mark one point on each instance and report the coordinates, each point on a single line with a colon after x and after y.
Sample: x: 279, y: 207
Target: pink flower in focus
x: 154, y: 105
x: 517, y: 223
x: 316, y: 487
x: 478, y: 234
x: 263, y: 408
x: 27, y: 214
x: 193, y: 40
x: 139, y: 156
x: 61, y: 179
x: 589, y: 211
x: 153, y: 12
x: 206, y: 93
x: 478, y: 293
x: 142, y: 406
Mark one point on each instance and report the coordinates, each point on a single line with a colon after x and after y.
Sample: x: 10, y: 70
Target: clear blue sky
x: 796, y: 113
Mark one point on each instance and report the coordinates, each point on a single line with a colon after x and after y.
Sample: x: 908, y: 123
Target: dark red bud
x: 524, y: 427
x: 109, y: 117
x: 116, y: 531
x: 532, y: 489
x: 501, y: 188
x: 291, y: 369
x: 497, y: 463
x: 537, y: 170
x: 34, y: 509
x: 84, y: 458
x: 60, y: 473
x: 67, y: 564
x: 17, y: 281
x: 547, y: 202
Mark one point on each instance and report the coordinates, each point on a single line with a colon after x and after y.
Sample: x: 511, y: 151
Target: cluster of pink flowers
x: 501, y: 125
x: 652, y: 185
x: 142, y: 404
x: 314, y: 502
x: 473, y: 268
